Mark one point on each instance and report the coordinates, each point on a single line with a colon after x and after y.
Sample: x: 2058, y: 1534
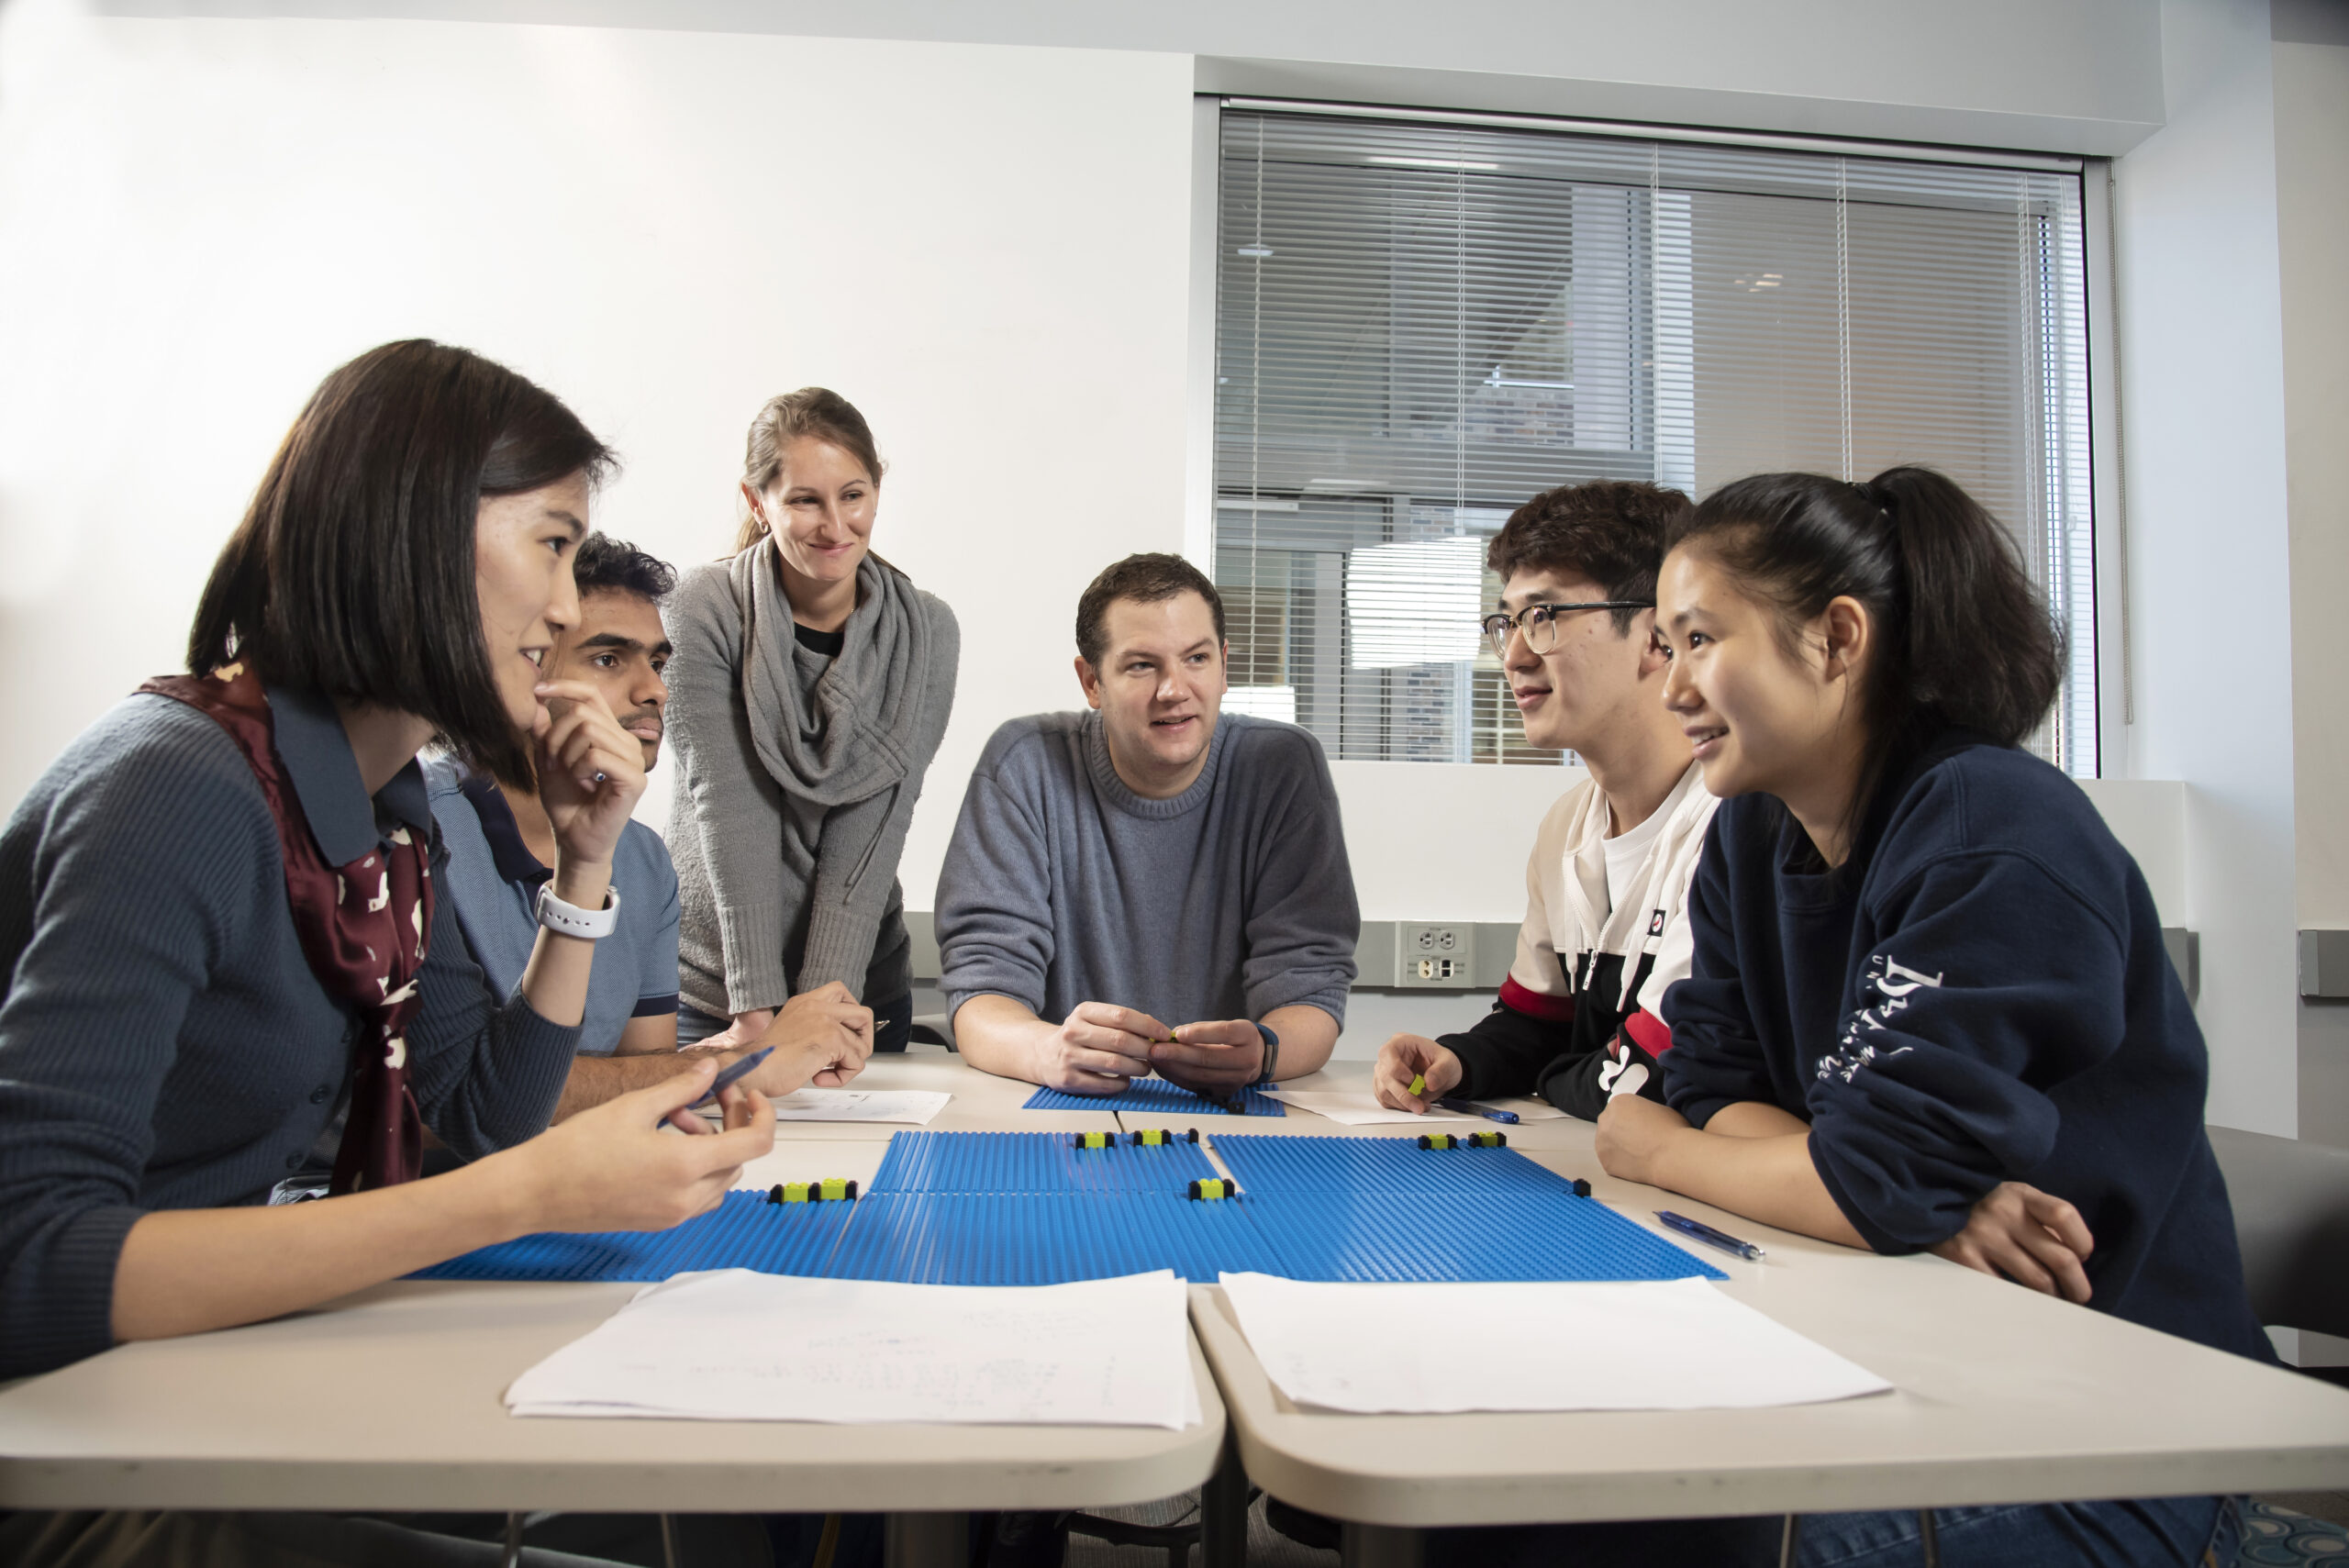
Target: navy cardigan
x: 162, y: 1041
x: 1980, y: 994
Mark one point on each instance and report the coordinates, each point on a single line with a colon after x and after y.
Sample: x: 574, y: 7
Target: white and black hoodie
x: 1580, y: 1016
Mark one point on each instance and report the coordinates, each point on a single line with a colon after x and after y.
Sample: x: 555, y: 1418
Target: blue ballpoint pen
x: 1704, y: 1233
x: 1470, y: 1108
x: 740, y: 1068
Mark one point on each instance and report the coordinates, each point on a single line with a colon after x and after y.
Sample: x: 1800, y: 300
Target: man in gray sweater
x: 1153, y: 885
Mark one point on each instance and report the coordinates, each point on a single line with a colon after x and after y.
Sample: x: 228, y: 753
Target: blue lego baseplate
x: 1365, y: 1237
x: 1038, y: 1209
x: 1045, y: 1237
x: 1352, y: 1209
x: 744, y: 1231
x: 1155, y: 1096
x: 1036, y: 1162
x: 1316, y: 1164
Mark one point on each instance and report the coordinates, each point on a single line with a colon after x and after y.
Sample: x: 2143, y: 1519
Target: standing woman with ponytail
x: 809, y: 689
x: 1930, y: 1007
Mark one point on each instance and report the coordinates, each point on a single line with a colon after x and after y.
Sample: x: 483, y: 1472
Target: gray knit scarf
x: 854, y: 745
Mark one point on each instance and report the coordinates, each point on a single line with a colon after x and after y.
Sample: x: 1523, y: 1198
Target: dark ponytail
x: 1963, y: 640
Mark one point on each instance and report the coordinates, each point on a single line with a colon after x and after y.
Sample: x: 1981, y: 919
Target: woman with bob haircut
x: 809, y: 689
x: 1930, y: 1007
x: 219, y: 919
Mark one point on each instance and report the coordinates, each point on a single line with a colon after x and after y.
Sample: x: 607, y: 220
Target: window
x: 1420, y: 325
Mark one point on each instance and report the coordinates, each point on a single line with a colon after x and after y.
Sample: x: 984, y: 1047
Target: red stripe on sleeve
x: 1648, y: 1032
x: 1533, y: 1005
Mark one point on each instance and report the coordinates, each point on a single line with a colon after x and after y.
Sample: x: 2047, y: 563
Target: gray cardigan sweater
x: 796, y: 781
x: 162, y: 1041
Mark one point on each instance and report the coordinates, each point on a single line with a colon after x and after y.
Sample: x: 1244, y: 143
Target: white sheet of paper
x: 1358, y: 1107
x: 733, y: 1345
x: 1538, y: 1347
x: 915, y: 1106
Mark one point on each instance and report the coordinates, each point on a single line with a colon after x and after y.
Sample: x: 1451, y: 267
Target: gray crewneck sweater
x: 1061, y: 885
x: 797, y: 777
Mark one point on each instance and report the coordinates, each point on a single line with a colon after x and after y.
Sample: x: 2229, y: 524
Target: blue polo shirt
x: 493, y: 879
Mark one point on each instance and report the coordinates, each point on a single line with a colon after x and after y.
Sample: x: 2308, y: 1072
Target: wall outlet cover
x: 1435, y: 957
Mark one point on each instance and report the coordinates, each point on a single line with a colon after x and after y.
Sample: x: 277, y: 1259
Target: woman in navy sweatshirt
x: 1930, y: 1007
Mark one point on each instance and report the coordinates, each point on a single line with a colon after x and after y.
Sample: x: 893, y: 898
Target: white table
x: 2001, y: 1394
x: 390, y: 1400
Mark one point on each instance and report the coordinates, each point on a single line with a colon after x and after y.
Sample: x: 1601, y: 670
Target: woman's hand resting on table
x: 1754, y: 1159
x: 2032, y: 1237
x: 614, y: 1167
x: 1634, y: 1135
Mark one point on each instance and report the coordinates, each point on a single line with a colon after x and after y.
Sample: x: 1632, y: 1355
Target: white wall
x: 198, y: 218
x: 2201, y: 345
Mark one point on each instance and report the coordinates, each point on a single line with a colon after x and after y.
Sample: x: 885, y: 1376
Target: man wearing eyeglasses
x: 1606, y: 922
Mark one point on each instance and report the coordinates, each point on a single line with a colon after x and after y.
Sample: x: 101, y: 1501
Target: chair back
x: 2291, y: 1204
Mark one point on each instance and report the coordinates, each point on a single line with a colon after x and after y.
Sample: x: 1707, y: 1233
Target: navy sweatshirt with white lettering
x: 1981, y: 994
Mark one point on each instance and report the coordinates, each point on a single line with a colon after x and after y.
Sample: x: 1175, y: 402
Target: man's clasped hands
x: 1100, y: 1048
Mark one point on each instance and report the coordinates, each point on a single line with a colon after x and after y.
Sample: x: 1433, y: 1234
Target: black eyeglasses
x: 1539, y: 622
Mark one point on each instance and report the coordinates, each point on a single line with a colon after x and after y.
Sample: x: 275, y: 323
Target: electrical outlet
x: 1435, y: 957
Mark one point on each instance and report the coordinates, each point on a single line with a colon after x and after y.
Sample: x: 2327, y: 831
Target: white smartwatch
x: 570, y: 920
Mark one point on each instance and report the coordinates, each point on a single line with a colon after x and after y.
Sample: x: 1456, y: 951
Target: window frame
x: 2109, y: 615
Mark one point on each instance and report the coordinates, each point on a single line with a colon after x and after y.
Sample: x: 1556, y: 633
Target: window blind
x: 1420, y: 326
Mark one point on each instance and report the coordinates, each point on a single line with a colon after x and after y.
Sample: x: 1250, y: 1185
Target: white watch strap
x: 570, y: 920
